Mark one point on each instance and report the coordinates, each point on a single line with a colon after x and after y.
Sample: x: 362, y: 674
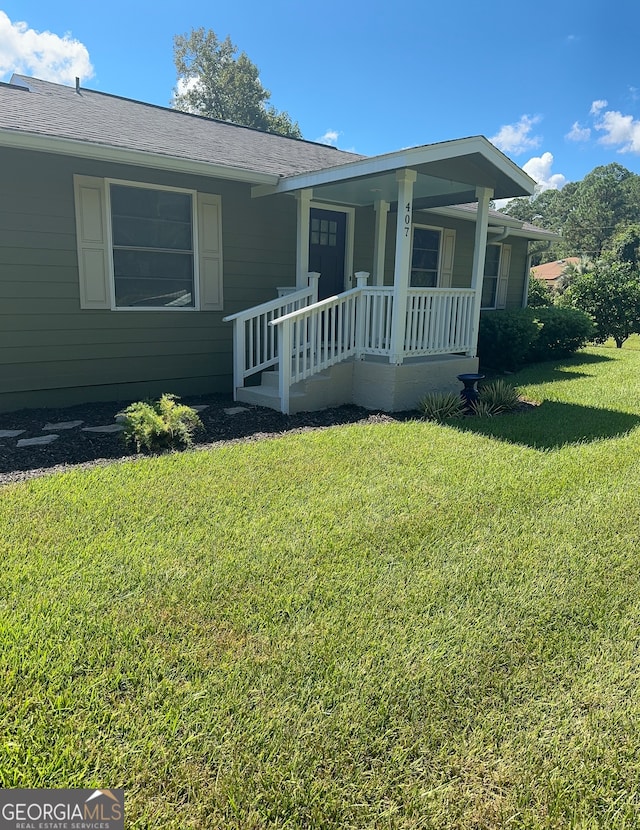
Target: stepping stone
x: 105, y: 428
x: 11, y: 433
x: 200, y: 407
x: 62, y: 425
x: 36, y: 442
x: 235, y: 410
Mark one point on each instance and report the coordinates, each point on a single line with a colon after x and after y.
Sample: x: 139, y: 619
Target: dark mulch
x: 76, y: 448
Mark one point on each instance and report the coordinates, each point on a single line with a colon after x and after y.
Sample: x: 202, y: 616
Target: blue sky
x: 555, y: 85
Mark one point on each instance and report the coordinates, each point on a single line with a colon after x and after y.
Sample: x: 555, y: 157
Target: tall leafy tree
x: 599, y: 206
x: 611, y: 295
x: 214, y: 80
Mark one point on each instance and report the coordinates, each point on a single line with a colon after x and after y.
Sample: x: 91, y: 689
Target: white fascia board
x: 540, y: 233
x: 496, y: 224
x: 122, y: 155
x: 470, y: 216
x: 409, y: 158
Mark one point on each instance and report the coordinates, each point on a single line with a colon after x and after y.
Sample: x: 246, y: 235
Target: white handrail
x: 313, y: 338
x: 255, y: 345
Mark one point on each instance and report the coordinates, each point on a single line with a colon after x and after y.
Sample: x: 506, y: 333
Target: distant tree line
x: 587, y: 214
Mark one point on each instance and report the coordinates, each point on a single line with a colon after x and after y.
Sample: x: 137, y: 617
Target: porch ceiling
x: 448, y: 174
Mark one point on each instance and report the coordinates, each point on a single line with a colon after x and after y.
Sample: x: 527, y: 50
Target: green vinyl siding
x: 54, y: 353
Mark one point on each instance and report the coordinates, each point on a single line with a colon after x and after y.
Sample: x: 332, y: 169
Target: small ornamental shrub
x: 485, y: 409
x: 499, y: 396
x: 441, y: 406
x: 160, y: 425
x: 505, y: 338
x: 561, y: 332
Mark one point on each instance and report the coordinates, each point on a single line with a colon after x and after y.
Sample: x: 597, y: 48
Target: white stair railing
x: 312, y: 339
x: 255, y: 344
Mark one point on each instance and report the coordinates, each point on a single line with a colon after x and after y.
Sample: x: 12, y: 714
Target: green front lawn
x: 403, y: 625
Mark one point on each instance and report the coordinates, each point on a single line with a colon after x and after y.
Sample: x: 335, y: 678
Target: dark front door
x: 327, y: 234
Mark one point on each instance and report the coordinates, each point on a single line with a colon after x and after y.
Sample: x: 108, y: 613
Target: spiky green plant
x: 500, y: 396
x: 160, y: 425
x: 441, y: 406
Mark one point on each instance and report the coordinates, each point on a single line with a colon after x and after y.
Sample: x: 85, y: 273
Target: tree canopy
x: 214, y: 80
x: 588, y: 213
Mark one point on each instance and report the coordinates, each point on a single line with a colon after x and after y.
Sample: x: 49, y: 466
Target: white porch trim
x: 303, y: 203
x: 484, y: 195
x: 381, y: 208
x: 404, y: 222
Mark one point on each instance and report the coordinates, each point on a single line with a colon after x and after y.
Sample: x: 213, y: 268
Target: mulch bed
x: 75, y: 448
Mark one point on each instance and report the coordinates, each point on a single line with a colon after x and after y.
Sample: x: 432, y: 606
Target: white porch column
x: 382, y: 209
x: 303, y: 199
x: 484, y: 195
x: 406, y: 179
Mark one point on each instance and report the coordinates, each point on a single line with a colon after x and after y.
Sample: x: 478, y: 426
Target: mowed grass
x: 401, y: 625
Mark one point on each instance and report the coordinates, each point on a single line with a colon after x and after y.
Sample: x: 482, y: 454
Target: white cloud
x: 578, y: 133
x: 539, y: 168
x: 597, y: 106
x: 330, y: 137
x: 621, y: 130
x: 516, y: 138
x: 42, y: 54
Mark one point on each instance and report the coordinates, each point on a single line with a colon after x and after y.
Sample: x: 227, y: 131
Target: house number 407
x: 407, y: 219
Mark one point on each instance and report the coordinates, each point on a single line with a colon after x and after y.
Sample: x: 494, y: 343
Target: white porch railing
x: 255, y: 344
x: 304, y: 336
x: 438, y: 321
x: 358, y: 322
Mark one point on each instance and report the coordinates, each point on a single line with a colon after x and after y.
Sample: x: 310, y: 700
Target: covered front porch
x: 376, y: 343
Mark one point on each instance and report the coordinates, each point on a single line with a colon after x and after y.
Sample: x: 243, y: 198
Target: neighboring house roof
x: 49, y: 117
x: 551, y: 271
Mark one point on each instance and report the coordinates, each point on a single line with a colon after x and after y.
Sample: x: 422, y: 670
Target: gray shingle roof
x: 54, y: 110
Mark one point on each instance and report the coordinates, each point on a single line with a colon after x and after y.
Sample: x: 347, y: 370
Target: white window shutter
x: 503, y: 280
x: 91, y: 234
x: 446, y: 262
x: 210, y: 251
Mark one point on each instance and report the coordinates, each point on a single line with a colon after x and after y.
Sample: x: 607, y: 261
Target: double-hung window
x: 152, y: 247
x: 147, y: 247
x: 491, y: 276
x: 425, y: 258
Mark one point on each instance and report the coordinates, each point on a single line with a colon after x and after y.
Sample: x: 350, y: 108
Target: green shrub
x: 539, y: 294
x: 499, y: 396
x: 561, y: 332
x: 440, y: 406
x: 160, y: 425
x: 505, y: 338
x: 509, y: 339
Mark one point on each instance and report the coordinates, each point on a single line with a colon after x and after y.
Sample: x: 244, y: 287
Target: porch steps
x: 316, y: 392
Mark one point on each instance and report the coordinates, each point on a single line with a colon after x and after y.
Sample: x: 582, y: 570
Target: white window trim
x: 194, y: 242
x: 97, y: 282
x: 349, y: 242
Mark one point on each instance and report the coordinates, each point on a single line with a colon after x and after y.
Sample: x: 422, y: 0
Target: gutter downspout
x: 504, y: 233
